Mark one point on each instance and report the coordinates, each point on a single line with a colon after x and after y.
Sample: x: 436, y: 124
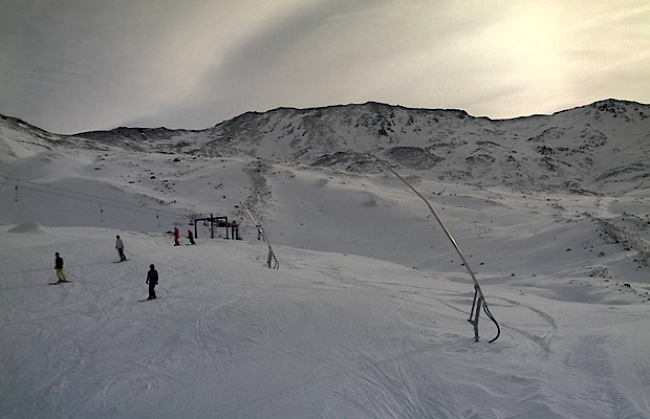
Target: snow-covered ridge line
x: 593, y: 149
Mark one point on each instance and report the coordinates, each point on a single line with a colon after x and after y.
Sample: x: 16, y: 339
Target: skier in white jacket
x: 119, y: 245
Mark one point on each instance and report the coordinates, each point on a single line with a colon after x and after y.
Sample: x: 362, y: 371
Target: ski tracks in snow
x: 542, y: 333
x: 591, y: 359
x: 320, y: 338
x: 579, y: 364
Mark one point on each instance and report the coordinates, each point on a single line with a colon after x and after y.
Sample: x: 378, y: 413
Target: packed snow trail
x: 328, y: 335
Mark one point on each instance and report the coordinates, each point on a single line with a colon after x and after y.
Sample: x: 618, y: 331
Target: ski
x: 147, y: 299
x: 59, y: 282
x: 120, y: 261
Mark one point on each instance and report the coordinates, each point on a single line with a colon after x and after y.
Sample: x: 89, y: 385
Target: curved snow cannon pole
x: 479, y: 299
x: 271, y: 261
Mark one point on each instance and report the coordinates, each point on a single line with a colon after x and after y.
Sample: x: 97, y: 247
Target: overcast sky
x: 77, y: 65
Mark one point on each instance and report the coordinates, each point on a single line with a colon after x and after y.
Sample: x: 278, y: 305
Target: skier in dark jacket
x: 152, y: 280
x: 58, y: 266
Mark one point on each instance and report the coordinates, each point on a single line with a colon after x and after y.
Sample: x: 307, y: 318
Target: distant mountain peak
x: 590, y: 148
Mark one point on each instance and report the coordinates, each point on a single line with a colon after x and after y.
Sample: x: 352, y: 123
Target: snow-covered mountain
x: 586, y: 149
x: 583, y: 149
x: 366, y: 316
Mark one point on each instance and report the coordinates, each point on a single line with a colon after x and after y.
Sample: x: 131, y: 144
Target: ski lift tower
x: 211, y: 221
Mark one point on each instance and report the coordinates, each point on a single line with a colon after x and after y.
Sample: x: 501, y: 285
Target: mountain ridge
x: 18, y: 120
x: 579, y: 149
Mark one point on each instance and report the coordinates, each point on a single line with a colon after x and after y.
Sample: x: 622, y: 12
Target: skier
x: 119, y: 245
x: 177, y: 235
x: 190, y: 236
x: 152, y: 280
x: 58, y: 266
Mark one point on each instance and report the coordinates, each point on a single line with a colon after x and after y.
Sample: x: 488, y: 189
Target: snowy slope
x: 366, y: 316
x: 327, y: 335
x: 324, y: 209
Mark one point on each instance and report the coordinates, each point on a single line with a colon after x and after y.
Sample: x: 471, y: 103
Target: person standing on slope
x: 177, y: 235
x: 58, y: 266
x: 119, y: 245
x: 152, y: 280
x: 190, y: 236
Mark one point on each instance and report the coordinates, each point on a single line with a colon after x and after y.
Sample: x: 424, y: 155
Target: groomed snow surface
x: 327, y: 335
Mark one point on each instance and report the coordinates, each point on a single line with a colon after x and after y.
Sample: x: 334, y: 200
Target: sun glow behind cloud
x: 529, y: 41
x: 523, y: 49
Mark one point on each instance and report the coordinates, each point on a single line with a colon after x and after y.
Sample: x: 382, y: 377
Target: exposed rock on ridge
x: 582, y: 149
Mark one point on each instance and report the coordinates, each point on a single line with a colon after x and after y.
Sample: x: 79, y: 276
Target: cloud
x: 96, y: 63
x: 279, y: 63
x: 322, y: 54
x: 73, y: 65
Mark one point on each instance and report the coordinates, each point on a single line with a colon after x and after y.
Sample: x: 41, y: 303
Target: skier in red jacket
x: 177, y: 235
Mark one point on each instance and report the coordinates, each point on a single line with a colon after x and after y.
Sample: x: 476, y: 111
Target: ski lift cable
x: 96, y: 202
x: 83, y: 194
x: 171, y: 214
x: 456, y: 247
x: 174, y: 216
